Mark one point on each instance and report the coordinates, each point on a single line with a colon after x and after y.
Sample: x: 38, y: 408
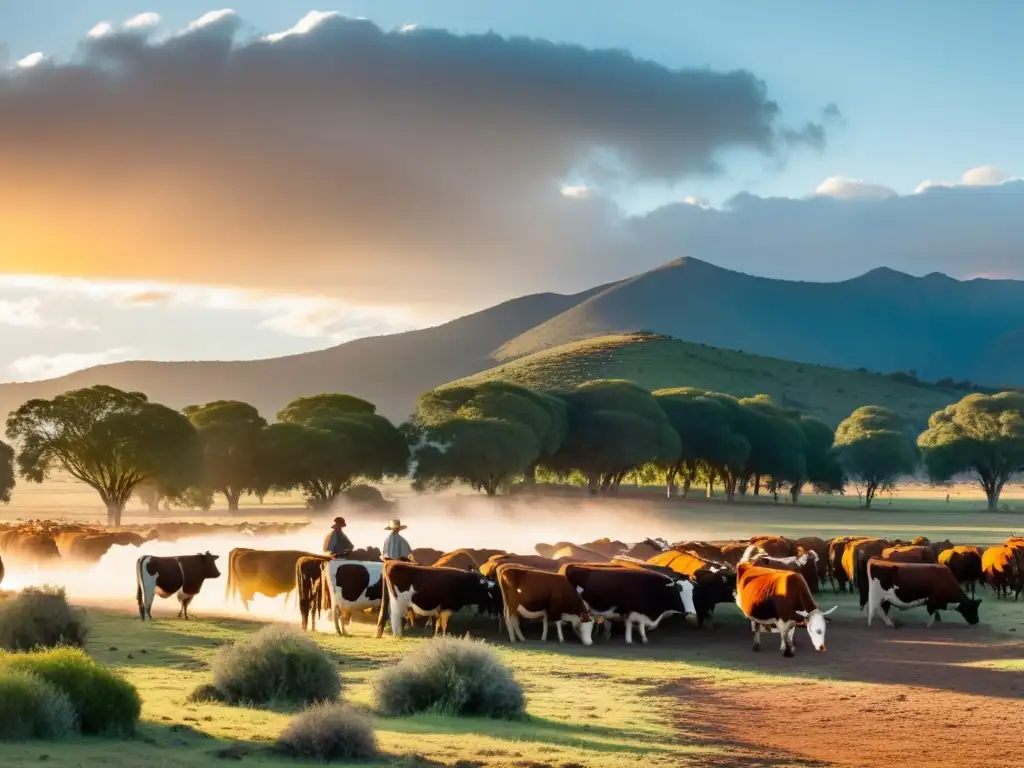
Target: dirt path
x: 895, y: 699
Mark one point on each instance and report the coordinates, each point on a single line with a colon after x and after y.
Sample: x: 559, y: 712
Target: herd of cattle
x: 772, y: 579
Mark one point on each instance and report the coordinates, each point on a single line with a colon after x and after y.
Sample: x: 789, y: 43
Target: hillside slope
x: 830, y: 394
x: 391, y: 371
x: 883, y: 320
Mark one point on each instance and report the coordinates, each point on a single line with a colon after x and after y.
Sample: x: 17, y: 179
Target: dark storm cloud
x: 349, y: 157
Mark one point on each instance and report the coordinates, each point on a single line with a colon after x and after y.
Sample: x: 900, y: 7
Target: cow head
x: 208, y: 565
x: 816, y: 624
x: 969, y: 610
x: 685, y: 587
x: 489, y: 600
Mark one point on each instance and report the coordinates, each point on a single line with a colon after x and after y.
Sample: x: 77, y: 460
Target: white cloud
x: 101, y: 29
x: 32, y: 60
x: 35, y: 367
x: 333, y: 320
x: 982, y: 176
x: 700, y: 202
x: 576, y: 190
x: 23, y: 313
x: 143, y: 20
x: 305, y: 25
x: 211, y: 17
x: 849, y: 189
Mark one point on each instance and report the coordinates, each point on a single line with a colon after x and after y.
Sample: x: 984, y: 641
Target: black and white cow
x: 181, y: 576
x: 434, y: 592
x: 908, y: 585
x: 352, y: 586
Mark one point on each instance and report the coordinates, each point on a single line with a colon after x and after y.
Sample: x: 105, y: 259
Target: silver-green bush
x: 275, y: 665
x: 31, y: 708
x: 450, y: 676
x: 327, y: 732
x: 41, y: 618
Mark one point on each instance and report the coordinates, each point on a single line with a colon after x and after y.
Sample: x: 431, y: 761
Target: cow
x: 632, y: 595
x: 548, y: 550
x: 29, y: 546
x: 483, y: 555
x: 820, y: 548
x: 435, y: 592
x: 460, y: 559
x: 532, y: 594
x: 779, y: 601
x: 489, y: 569
x: 351, y: 586
x: 857, y: 554
x: 1, y: 570
x: 646, y: 549
x: 572, y: 553
x: 88, y: 547
x: 732, y: 552
x: 702, y: 548
x: 964, y: 562
x: 806, y: 565
x: 426, y: 555
x: 836, y: 550
x: 269, y: 572
x: 908, y: 585
x: 607, y: 547
x: 165, y: 576
x: 909, y: 553
x: 1002, y: 571
x: 312, y: 595
x: 687, y: 562
x: 775, y: 546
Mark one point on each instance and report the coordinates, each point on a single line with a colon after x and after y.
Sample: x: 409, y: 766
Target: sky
x: 186, y: 181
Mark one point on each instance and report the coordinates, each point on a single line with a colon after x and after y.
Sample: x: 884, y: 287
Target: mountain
x: 882, y: 321
x: 658, y: 362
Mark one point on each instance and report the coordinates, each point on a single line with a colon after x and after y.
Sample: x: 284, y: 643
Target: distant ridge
x: 882, y: 321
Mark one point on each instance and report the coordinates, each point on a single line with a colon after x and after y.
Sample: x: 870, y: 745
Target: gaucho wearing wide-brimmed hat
x: 395, y: 546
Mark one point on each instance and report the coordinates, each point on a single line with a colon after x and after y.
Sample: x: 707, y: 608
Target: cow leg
x: 510, y: 621
x: 784, y: 628
x: 443, y: 619
x: 629, y: 631
x: 756, y: 628
x: 790, y: 638
x: 147, y: 584
x: 544, y: 629
x: 558, y: 629
x: 641, y: 624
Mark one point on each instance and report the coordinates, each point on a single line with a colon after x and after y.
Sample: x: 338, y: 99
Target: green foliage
x: 324, y: 444
x: 614, y: 427
x: 776, y: 443
x: 104, y: 701
x: 874, y: 449
x: 231, y: 434
x: 484, y: 453
x: 980, y: 434
x: 41, y: 618
x: 326, y: 732
x: 6, y: 472
x: 450, y: 676
x: 824, y: 471
x: 108, y: 439
x: 275, y: 665
x: 31, y: 708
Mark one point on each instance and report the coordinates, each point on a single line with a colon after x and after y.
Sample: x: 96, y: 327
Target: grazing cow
x: 820, y: 548
x: 352, y: 586
x: 857, y: 554
x: 532, y: 594
x: 572, y: 553
x: 165, y: 576
x: 1001, y: 568
x: 964, y: 562
x: 733, y: 551
x: 806, y: 565
x: 483, y: 555
x: 646, y: 549
x: 435, y: 592
x: 548, y: 550
x: 632, y: 595
x: 908, y: 585
x: 686, y: 562
x: 775, y: 546
x: 310, y: 591
x: 909, y: 553
x: 30, y: 547
x: 702, y: 548
x: 779, y: 601
x: 490, y: 568
x: 714, y: 581
x: 426, y: 555
x: 836, y: 550
x: 269, y: 572
x: 460, y: 559
x: 607, y: 547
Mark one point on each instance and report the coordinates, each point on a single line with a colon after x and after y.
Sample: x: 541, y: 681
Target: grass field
x: 830, y: 394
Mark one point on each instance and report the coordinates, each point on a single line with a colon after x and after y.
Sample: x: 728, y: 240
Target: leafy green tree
x: 980, y: 434
x: 709, y: 445
x: 232, y: 435
x: 484, y: 453
x: 326, y: 443
x: 614, y: 427
x: 874, y: 450
x: 108, y: 439
x: 6, y: 472
x: 823, y: 469
x: 776, y: 445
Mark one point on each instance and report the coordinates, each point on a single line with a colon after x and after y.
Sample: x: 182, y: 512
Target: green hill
x: 657, y: 362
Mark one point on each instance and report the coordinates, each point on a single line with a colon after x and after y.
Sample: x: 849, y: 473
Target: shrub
x: 31, y: 708
x: 41, y: 618
x: 106, y: 703
x: 329, y: 731
x: 275, y: 665
x: 207, y: 693
x: 453, y: 677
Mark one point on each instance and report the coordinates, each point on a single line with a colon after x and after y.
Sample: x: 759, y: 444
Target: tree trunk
x: 993, y: 490
x: 869, y: 495
x: 593, y: 482
x: 794, y: 492
x: 670, y: 482
x: 530, y: 476
x: 114, y: 511
x: 757, y: 485
x: 232, y: 496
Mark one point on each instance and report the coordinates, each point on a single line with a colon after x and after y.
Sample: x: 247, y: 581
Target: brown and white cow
x: 490, y: 568
x: 805, y: 564
x: 856, y: 556
x: 269, y: 572
x: 909, y: 553
x: 165, y: 576
x: 459, y: 558
x: 434, y: 592
x: 632, y: 595
x: 779, y: 601
x: 964, y: 562
x: 820, y: 548
x: 575, y: 554
x: 1002, y: 570
x: 836, y: 574
x: 310, y: 590
x: 352, y: 586
x: 909, y: 585
x: 529, y: 593
x: 775, y: 546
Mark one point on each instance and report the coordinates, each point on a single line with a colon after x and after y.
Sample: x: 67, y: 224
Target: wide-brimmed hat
x: 340, y: 521
x: 396, y: 525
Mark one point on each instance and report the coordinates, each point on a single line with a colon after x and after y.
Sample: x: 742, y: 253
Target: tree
x: 614, y: 427
x: 484, y: 453
x: 325, y: 443
x: 232, y: 436
x: 776, y: 445
x: 6, y: 472
x: 980, y: 434
x: 874, y: 449
x: 823, y: 469
x: 108, y: 439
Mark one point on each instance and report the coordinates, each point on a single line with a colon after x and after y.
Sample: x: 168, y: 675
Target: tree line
x: 495, y: 434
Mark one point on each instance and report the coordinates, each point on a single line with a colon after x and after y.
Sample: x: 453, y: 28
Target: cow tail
x: 138, y: 580
x: 230, y: 582
x: 385, y: 603
x: 861, y: 569
x: 326, y: 587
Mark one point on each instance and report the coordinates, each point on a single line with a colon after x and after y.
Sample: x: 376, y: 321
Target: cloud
x: 27, y: 313
x: 35, y: 367
x: 982, y: 176
x: 847, y: 189
x: 340, y: 157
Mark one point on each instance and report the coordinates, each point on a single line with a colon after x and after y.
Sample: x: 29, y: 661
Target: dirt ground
x: 903, y: 698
